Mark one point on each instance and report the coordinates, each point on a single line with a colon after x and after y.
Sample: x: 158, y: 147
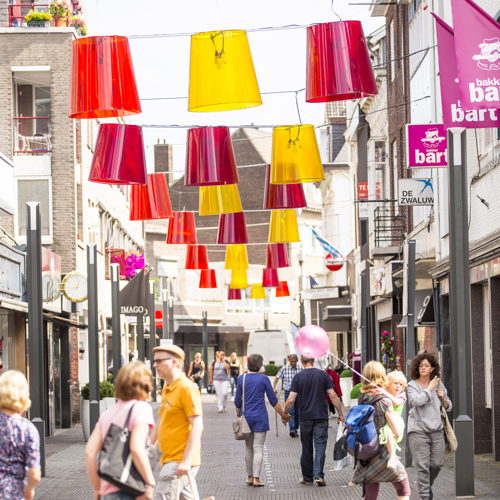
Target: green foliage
x: 346, y: 374
x: 356, y: 391
x: 106, y: 390
x: 34, y: 15
x: 58, y: 8
x: 85, y: 392
x: 271, y: 370
x: 110, y: 377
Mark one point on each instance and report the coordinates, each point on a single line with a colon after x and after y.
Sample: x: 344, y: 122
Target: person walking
x: 373, y: 471
x: 219, y: 375
x: 255, y: 385
x: 287, y: 373
x: 234, y: 372
x: 179, y: 429
x: 426, y: 395
x: 310, y: 385
x: 197, y: 370
x: 133, y: 386
x: 19, y: 440
x: 336, y: 387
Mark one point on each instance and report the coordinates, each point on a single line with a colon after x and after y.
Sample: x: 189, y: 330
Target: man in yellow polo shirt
x: 178, y: 431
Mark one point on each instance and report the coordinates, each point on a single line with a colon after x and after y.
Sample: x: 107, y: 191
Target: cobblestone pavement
x: 223, y: 469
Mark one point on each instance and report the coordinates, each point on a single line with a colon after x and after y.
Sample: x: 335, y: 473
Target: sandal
x: 249, y: 482
x: 258, y: 485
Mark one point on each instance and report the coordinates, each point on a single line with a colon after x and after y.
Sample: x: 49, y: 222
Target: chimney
x: 164, y: 160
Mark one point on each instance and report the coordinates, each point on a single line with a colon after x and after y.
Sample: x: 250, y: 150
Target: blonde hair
x: 375, y: 373
x: 396, y: 376
x: 14, y: 391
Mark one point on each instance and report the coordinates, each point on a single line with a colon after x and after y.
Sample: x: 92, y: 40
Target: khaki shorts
x: 167, y: 484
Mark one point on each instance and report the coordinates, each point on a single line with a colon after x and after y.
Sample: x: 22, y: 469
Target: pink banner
x: 426, y: 146
x: 457, y: 112
x: 477, y: 47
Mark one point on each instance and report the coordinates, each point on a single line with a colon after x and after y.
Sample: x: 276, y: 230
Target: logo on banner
x: 426, y: 146
x: 490, y: 54
x: 432, y: 138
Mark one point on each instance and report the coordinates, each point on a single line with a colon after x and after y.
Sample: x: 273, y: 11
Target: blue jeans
x: 118, y: 495
x: 313, y: 436
x: 294, y: 413
x: 234, y: 383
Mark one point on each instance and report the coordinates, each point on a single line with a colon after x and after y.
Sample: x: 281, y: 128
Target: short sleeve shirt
x: 311, y: 385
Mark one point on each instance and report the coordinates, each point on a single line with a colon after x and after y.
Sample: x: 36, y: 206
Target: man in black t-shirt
x: 312, y: 385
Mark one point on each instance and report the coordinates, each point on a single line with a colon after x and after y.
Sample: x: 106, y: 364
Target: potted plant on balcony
x: 60, y: 13
x: 35, y: 19
x: 79, y: 24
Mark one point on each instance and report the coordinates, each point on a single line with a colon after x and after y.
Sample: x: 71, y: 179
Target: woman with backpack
x: 373, y: 471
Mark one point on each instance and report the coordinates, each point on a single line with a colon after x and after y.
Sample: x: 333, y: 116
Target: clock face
x: 75, y: 287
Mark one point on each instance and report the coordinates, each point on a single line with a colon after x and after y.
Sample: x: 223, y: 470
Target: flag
x: 313, y: 282
x: 325, y: 244
x: 134, y: 295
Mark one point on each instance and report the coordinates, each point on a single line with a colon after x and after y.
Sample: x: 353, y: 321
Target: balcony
x: 18, y: 10
x: 388, y: 228
x: 32, y: 135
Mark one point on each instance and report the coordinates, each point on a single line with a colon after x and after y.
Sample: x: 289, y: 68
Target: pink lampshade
x: 282, y: 290
x: 338, y: 63
x: 277, y: 256
x: 210, y: 157
x: 283, y: 195
x: 208, y: 279
x: 232, y: 229
x: 234, y: 294
x: 182, y: 229
x: 119, y: 155
x: 196, y: 257
x: 151, y: 200
x: 270, y: 278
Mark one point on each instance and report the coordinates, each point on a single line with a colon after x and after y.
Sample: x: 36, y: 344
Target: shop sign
x: 415, y: 192
x: 333, y: 263
x: 51, y: 280
x: 364, y: 209
x: 378, y: 280
x: 426, y: 146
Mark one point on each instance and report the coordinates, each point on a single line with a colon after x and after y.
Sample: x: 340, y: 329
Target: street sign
x: 415, y: 192
x: 426, y: 146
x: 333, y: 263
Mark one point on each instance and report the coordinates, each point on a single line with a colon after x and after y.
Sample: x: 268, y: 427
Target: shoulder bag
x: 114, y: 462
x: 450, y: 439
x: 241, y: 428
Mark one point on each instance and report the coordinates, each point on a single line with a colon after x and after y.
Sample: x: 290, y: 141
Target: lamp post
x: 165, y: 328
x: 115, y: 315
x: 152, y: 332
x: 205, y: 345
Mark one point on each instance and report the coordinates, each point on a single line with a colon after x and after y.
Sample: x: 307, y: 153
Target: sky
x: 161, y: 64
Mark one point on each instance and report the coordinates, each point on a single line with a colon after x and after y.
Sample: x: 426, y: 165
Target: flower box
x: 38, y: 24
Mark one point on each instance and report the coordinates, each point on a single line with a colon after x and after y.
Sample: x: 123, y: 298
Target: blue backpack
x: 360, y: 431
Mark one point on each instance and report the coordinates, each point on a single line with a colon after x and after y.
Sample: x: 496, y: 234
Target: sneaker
x: 293, y: 434
x: 220, y: 411
x: 224, y: 409
x: 320, y: 481
x: 303, y: 481
x: 392, y: 463
x: 232, y: 399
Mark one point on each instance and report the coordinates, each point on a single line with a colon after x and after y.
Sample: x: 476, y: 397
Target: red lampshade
x: 207, y: 278
x: 283, y: 195
x: 151, y: 200
x: 119, y: 155
x: 181, y: 229
x: 102, y: 78
x: 232, y: 229
x: 282, y: 290
x: 234, y: 294
x: 270, y: 278
x: 338, y: 63
x: 196, y: 257
x: 277, y: 256
x: 210, y: 157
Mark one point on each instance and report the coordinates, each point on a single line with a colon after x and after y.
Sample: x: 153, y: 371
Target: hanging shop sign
x: 415, y: 192
x: 364, y: 209
x: 333, y: 263
x: 378, y: 280
x: 51, y: 280
x: 426, y: 146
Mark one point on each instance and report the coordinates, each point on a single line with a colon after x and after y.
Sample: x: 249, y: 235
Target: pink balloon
x: 312, y: 341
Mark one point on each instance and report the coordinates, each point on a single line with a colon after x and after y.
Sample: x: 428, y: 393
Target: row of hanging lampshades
x: 222, y: 77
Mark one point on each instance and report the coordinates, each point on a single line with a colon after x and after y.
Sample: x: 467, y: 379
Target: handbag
x: 450, y: 438
x: 341, y: 458
x: 114, y: 462
x: 241, y: 428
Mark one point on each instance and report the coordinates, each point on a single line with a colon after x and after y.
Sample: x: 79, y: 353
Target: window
x: 412, y: 8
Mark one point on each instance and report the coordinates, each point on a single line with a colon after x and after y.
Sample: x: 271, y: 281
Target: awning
x: 14, y: 305
x: 65, y: 321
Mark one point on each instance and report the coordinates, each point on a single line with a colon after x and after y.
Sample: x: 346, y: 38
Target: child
x: 397, y: 384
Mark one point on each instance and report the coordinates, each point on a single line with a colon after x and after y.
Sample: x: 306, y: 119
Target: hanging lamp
x: 151, y: 200
x: 295, y: 155
x: 102, y: 83
x: 270, y: 278
x: 196, y: 257
x: 282, y: 290
x: 208, y: 279
x: 232, y: 229
x: 221, y: 73
x: 119, y: 155
x: 283, y: 227
x: 210, y: 159
x: 236, y: 257
x: 283, y: 195
x: 220, y: 199
x: 181, y: 229
x: 239, y: 278
x: 234, y: 294
x: 277, y: 255
x: 258, y: 291
x: 338, y: 63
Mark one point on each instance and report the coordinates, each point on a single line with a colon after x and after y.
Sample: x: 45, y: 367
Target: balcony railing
x: 389, y: 229
x: 18, y: 10
x: 32, y: 134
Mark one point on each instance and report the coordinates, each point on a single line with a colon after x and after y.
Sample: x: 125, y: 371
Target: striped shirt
x: 287, y: 373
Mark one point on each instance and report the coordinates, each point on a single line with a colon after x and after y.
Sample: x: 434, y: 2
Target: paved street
x: 223, y: 470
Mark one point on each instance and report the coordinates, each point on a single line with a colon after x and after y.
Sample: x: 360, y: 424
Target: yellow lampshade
x: 220, y: 199
x: 239, y: 278
x: 283, y: 228
x: 295, y: 155
x: 221, y: 73
x: 257, y: 291
x: 236, y: 257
